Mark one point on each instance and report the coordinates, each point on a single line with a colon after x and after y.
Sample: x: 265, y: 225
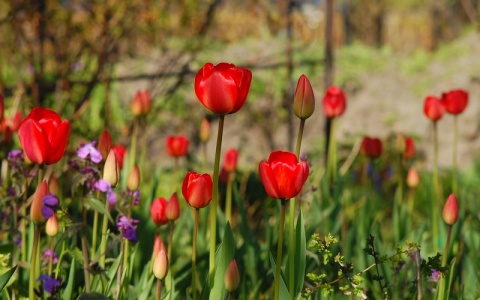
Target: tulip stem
x: 194, y: 256
x: 213, y: 211
x: 228, y: 200
x: 158, y: 294
x: 103, y: 243
x: 85, y: 250
x: 33, y: 263
x: 93, y: 249
x: 454, y: 163
x: 169, y: 279
x: 331, y: 156
x: 436, y: 188
x: 279, y: 252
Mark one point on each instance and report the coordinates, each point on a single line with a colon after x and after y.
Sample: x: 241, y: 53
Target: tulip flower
x: 160, y: 265
x: 230, y: 161
x: 433, y: 108
x: 450, y: 210
x: 120, y: 153
x: 409, y: 148
x: 232, y: 276
x: 51, y: 227
x: 141, y: 103
x: 111, y: 169
x: 223, y: 88
x: 104, y: 143
x: 44, y: 136
x: 172, y: 210
x: 197, y: 189
x: 304, y: 100
x: 371, y: 147
x: 177, y: 146
x: 455, y: 101
x: 134, y: 179
x: 157, y: 246
x: 334, y: 102
x: 413, y: 179
x: 282, y: 175
x: 157, y: 211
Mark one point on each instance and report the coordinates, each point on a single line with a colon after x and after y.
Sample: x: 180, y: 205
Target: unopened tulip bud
x: 172, y: 210
x: 51, y: 228
x: 141, y: 103
x: 409, y: 148
x: 160, y: 265
x: 157, y: 246
x: 450, y: 210
x: 53, y: 185
x: 232, y: 277
x: 104, y: 143
x: 413, y: 179
x: 111, y: 169
x: 134, y: 179
x: 304, y: 100
x: 37, y: 202
x: 204, y: 131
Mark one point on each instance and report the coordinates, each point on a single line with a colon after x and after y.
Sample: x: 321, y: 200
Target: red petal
x: 33, y: 141
x: 58, y: 143
x: 268, y: 179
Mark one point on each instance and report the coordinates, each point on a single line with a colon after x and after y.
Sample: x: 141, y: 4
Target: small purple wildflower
x: 49, y: 253
x: 127, y: 228
x: 19, y: 241
x: 90, y: 150
x: 104, y: 186
x: 435, y: 275
x: 50, y: 203
x: 135, y: 196
x: 15, y: 154
x: 49, y: 283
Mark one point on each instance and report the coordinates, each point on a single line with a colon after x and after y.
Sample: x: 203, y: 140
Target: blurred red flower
x: 141, y: 103
x: 334, y: 102
x: 230, y: 160
x: 157, y: 211
x: 433, y: 108
x: 455, y: 101
x: 177, y: 146
x: 409, y: 148
x: 197, y: 189
x: 120, y: 153
x: 371, y: 147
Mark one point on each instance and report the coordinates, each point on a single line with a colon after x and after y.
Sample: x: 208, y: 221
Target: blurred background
x: 86, y: 60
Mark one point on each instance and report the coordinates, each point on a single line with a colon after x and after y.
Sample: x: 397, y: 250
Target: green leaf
x: 97, y: 205
x: 224, y: 257
x: 67, y: 293
x: 283, y: 287
x: 450, y: 278
x: 5, y: 277
x: 111, y: 273
x: 300, y: 253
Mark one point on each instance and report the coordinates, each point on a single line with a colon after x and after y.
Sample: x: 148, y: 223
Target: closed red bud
x: 37, y: 202
x: 134, y: 179
x: 172, y: 211
x: 413, y: 179
x: 160, y: 265
x: 111, y: 169
x: 197, y: 189
x: 433, y: 108
x: 204, y: 131
x: 455, y: 101
x: 120, y: 151
x: 304, y: 100
x: 230, y: 160
x: 450, y: 210
x: 371, y: 147
x: 157, y: 211
x: 51, y: 228
x: 157, y: 246
x: 104, y: 143
x: 334, y: 102
x: 232, y: 276
x: 177, y: 146
x: 141, y: 103
x: 409, y: 148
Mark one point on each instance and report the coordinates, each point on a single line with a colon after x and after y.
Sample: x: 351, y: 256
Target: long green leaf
x: 300, y: 251
x: 67, y: 293
x: 226, y: 251
x: 5, y: 277
x: 283, y: 287
x: 95, y: 204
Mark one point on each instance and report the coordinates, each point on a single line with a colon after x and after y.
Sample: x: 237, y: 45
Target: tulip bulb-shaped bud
x: 334, y: 102
x: 104, y: 143
x: 157, y: 246
x: 37, y: 202
x: 160, y: 265
x: 204, y: 132
x: 409, y: 148
x: 134, y: 179
x: 413, y: 179
x: 141, y: 103
x: 197, y: 189
x: 433, y: 108
x: 230, y: 161
x: 172, y: 210
x: 111, y: 169
x: 304, y: 100
x: 232, y: 276
x: 53, y: 185
x: 51, y: 228
x: 450, y: 210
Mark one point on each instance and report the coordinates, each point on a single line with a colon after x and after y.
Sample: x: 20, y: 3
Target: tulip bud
x: 455, y: 101
x: 230, y: 161
x: 134, y: 179
x: 16, y: 121
x: 450, y: 210
x: 334, y: 102
x: 304, y: 100
x: 2, y: 107
x: 204, y: 131
x: 160, y: 265
x: 172, y: 210
x: 53, y: 185
x: 141, y: 103
x: 120, y: 153
x: 111, y: 170
x: 232, y: 277
x: 157, y: 246
x: 51, y: 228
x: 37, y: 202
x: 433, y: 108
x: 413, y: 179
x: 409, y: 148
x: 104, y: 143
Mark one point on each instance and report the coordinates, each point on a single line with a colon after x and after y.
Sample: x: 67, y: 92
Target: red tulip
x: 104, y: 143
x: 177, y: 146
x: 455, y: 101
x: 409, y: 148
x: 450, y: 210
x: 157, y: 211
x: 120, y: 153
x: 141, y: 103
x: 433, y: 108
x: 282, y: 175
x: 172, y: 211
x: 334, y: 102
x: 223, y: 88
x: 304, y: 100
x: 197, y: 189
x: 371, y: 147
x: 44, y: 136
x: 230, y: 161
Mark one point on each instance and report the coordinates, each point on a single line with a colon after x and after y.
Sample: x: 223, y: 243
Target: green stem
x: 103, y: 242
x: 93, y: 249
x: 454, y: 163
x: 168, y: 279
x: 441, y: 284
x: 279, y: 252
x: 194, y: 256
x: 85, y: 250
x: 158, y: 294
x: 400, y: 180
x: 213, y: 209
x: 331, y: 156
x: 33, y: 263
x: 228, y: 200
x: 436, y: 189
x: 299, y: 138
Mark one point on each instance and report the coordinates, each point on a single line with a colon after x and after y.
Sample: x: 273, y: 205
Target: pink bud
x: 172, y: 210
x: 413, y: 179
x: 51, y: 228
x: 37, y: 203
x: 160, y: 265
x: 450, y: 210
x: 111, y: 169
x: 204, y: 131
x: 157, y: 246
x: 232, y: 276
x: 134, y: 179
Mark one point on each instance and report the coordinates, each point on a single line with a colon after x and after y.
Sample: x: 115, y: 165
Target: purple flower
x: 127, y: 228
x: 104, y: 186
x: 435, y: 275
x: 50, y: 203
x: 89, y: 149
x: 47, y: 254
x: 15, y: 154
x: 135, y: 196
x: 49, y: 283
